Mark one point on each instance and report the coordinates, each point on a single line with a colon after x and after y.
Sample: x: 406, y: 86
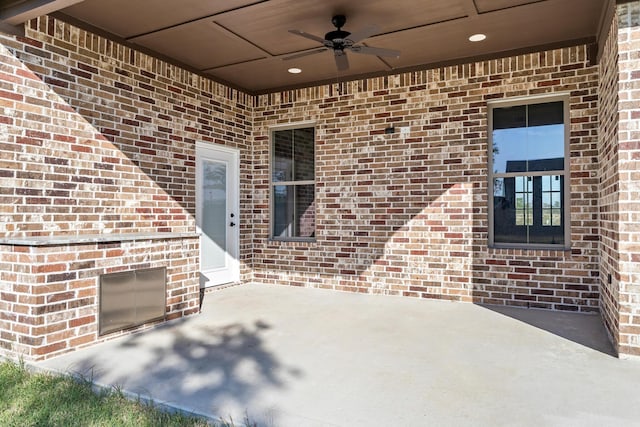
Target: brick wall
x: 619, y: 151
x: 407, y: 214
x: 99, y: 138
x: 609, y: 184
x: 629, y: 174
x: 96, y: 138
x: 48, y: 294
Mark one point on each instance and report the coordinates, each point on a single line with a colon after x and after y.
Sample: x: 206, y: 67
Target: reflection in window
x: 528, y: 138
x: 293, y: 185
x: 524, y: 201
x: 527, y: 151
x: 551, y: 201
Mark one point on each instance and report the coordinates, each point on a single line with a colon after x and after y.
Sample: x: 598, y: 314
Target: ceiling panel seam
x: 196, y: 20
x: 240, y: 38
x: 471, y: 7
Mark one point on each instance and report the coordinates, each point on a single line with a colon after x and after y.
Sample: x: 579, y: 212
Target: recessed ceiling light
x: 294, y: 70
x: 477, y: 38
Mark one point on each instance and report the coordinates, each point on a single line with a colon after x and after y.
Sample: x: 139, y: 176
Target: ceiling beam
x: 19, y: 12
x: 470, y: 8
x: 242, y: 39
x: 604, y: 26
x: 202, y: 18
x: 116, y: 39
x: 14, y: 30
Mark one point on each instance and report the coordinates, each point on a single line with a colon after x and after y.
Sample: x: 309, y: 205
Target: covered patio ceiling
x: 243, y: 42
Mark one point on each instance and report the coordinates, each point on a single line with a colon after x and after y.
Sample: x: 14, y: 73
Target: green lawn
x: 28, y: 399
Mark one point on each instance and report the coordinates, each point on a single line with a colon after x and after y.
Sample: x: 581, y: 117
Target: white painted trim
x: 218, y: 147
x: 232, y: 272
x: 529, y: 99
x: 293, y: 125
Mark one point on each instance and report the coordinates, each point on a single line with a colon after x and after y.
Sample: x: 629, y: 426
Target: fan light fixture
x: 294, y: 70
x: 339, y: 42
x: 477, y: 38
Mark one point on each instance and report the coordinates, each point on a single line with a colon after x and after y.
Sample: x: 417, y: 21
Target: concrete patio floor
x: 307, y: 357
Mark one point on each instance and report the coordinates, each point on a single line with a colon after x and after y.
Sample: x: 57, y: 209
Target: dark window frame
x: 564, y: 173
x: 293, y: 183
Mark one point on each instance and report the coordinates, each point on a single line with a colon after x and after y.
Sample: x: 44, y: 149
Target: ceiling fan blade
x: 378, y: 51
x: 363, y: 33
x: 341, y: 60
x: 303, y: 54
x: 307, y: 36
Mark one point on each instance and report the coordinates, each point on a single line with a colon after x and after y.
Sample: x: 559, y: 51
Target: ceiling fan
x: 339, y: 41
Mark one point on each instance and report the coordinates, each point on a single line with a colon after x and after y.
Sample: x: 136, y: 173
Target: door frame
x: 210, y: 149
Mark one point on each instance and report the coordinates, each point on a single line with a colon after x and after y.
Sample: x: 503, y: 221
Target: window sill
x: 523, y: 247
x: 292, y: 240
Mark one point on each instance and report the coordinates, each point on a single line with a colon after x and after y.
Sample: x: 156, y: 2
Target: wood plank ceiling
x: 243, y: 42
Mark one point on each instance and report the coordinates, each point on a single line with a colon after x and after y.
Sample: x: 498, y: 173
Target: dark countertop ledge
x: 65, y: 240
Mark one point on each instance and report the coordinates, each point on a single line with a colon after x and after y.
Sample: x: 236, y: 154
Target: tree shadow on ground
x: 221, y: 370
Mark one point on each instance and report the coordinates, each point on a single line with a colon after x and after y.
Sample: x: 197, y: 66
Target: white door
x: 217, y: 209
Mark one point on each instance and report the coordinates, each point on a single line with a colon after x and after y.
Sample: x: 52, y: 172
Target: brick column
x: 629, y: 174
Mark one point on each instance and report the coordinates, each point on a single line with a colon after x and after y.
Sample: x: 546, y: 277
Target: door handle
x: 233, y: 224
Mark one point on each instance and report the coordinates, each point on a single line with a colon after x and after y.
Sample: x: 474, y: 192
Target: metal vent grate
x: 131, y: 298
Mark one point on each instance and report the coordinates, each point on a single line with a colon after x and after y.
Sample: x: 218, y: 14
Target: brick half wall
x: 49, y: 294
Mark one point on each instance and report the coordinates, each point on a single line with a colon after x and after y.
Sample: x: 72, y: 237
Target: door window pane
x: 214, y: 215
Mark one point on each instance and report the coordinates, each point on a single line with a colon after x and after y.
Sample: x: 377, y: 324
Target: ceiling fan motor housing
x: 338, y: 21
x: 337, y: 39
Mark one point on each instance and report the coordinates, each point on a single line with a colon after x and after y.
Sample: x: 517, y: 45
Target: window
x: 293, y: 187
x: 528, y: 172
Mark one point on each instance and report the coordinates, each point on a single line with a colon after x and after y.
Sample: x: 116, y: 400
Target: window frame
x: 272, y: 184
x: 566, y: 172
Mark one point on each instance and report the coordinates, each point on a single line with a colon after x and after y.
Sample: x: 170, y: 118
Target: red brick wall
x: 49, y: 294
x: 629, y: 174
x: 96, y: 138
x: 609, y: 184
x: 407, y: 215
x: 99, y: 138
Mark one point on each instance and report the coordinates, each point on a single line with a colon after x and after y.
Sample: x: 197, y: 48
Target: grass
x: 36, y: 399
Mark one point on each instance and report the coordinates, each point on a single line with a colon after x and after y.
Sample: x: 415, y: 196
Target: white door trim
x: 230, y: 156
